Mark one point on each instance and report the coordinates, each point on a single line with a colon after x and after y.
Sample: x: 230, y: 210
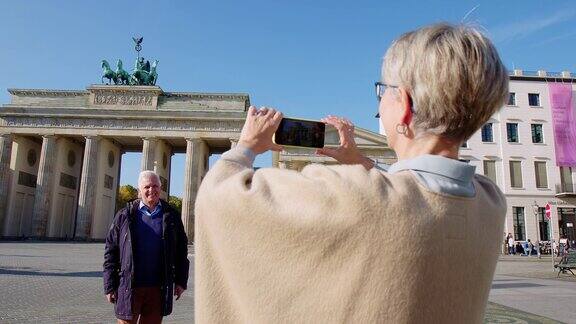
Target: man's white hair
x: 147, y: 174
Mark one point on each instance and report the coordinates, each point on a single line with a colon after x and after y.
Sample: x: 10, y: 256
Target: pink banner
x: 564, y: 123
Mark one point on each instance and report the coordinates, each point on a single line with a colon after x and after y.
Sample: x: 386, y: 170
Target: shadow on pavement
x: 22, y: 256
x: 515, y: 285
x: 85, y: 274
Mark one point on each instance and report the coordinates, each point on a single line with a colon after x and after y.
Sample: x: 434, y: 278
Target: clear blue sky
x: 307, y: 58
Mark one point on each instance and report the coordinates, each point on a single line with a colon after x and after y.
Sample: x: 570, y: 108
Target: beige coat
x: 340, y: 244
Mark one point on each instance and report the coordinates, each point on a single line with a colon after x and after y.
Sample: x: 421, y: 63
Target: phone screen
x: 298, y: 132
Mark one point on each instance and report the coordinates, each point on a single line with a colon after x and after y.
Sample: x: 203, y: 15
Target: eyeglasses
x: 380, y: 89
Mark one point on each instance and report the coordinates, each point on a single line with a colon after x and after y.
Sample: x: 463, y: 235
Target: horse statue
x: 152, y: 76
x: 107, y: 72
x: 122, y: 77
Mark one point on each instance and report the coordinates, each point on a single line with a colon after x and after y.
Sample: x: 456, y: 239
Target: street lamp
x: 535, y: 209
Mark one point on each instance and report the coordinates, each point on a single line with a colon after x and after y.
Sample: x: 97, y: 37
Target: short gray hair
x: 147, y: 174
x: 454, y: 76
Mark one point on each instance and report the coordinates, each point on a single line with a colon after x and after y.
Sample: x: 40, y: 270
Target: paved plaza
x: 46, y: 282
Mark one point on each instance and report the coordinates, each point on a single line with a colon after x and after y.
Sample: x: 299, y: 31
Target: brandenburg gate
x: 60, y: 152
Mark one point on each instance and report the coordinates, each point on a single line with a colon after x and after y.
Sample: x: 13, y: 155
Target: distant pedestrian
x: 519, y: 248
x: 511, y: 245
x: 537, y: 246
x: 562, y: 246
x: 530, y: 248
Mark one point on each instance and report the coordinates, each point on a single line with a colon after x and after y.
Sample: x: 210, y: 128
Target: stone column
x: 44, y: 185
x: 148, y: 153
x: 87, y: 192
x: 169, y: 171
x: 275, y: 159
x: 5, y: 154
x: 196, y: 151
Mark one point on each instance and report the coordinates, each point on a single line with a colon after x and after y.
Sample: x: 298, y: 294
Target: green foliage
x: 125, y: 194
x: 176, y: 203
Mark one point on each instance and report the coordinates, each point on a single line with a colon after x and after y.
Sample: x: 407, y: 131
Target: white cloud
x: 522, y: 29
x: 555, y: 38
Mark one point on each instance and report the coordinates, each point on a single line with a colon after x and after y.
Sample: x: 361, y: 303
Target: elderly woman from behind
x: 328, y: 244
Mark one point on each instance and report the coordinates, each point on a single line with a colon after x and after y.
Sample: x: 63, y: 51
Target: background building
x: 517, y: 150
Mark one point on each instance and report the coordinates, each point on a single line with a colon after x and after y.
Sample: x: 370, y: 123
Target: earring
x: 401, y: 128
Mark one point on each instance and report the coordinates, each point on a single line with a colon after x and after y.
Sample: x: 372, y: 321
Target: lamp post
x: 535, y: 209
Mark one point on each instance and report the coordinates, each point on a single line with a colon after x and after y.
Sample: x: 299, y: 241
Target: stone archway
x: 77, y: 139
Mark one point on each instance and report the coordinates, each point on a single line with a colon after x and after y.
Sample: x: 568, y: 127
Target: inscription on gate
x: 134, y: 100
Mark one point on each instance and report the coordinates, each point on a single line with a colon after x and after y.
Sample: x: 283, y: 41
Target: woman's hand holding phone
x: 347, y: 152
x: 258, y: 129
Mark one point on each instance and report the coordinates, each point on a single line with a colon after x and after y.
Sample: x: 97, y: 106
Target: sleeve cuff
x: 240, y: 154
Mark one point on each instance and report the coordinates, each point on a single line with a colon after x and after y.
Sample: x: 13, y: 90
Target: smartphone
x: 300, y: 132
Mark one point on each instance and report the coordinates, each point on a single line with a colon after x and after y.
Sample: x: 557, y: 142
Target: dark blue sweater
x: 147, y: 247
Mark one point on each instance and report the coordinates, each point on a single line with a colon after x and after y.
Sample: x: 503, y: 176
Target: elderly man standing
x: 145, y: 261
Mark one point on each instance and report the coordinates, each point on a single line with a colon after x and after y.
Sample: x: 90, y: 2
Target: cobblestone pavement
x: 531, y: 267
x: 47, y: 282
x: 62, y: 283
x: 531, y: 285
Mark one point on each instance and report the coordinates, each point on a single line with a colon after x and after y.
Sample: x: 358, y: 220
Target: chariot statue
x: 144, y: 73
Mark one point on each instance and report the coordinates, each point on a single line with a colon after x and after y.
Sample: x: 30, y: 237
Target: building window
x: 487, y: 133
x: 566, y: 220
x: 541, y: 178
x: 566, y: 180
x: 512, y: 99
x: 512, y: 132
x: 490, y: 169
x: 464, y: 145
x: 516, y: 174
x: 464, y: 160
x: 543, y: 225
x: 537, y: 133
x: 518, y: 219
x: 534, y: 99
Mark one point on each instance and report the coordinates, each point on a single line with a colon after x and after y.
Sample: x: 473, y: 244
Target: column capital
x: 149, y: 138
x: 48, y: 135
x: 92, y: 137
